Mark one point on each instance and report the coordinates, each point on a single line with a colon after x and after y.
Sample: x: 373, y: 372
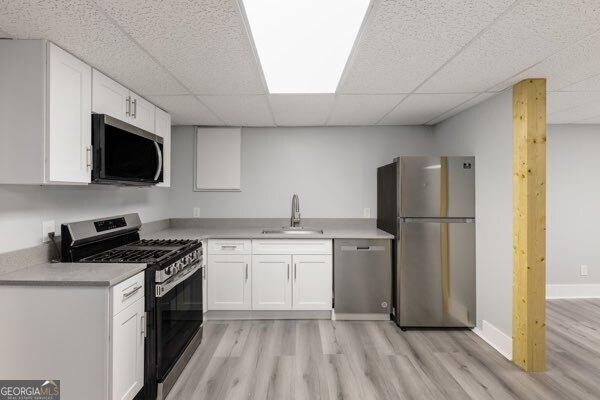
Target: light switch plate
x: 366, y: 213
x: 196, y: 212
x: 584, y: 270
x: 47, y: 227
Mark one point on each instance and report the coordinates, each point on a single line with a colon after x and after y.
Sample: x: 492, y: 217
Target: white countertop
x: 72, y: 274
x: 256, y: 233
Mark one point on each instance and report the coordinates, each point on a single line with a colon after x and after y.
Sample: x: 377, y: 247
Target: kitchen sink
x: 294, y: 230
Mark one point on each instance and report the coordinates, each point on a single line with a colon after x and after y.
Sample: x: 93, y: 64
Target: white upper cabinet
x: 109, y: 97
x: 163, y: 129
x: 69, y: 137
x: 114, y: 99
x: 142, y: 113
x: 45, y: 109
x: 218, y: 159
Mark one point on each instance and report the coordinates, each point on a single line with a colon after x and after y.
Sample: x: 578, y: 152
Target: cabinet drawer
x: 291, y: 246
x: 229, y: 246
x: 127, y: 292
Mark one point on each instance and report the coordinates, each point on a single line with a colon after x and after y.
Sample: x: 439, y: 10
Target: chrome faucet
x: 295, y: 220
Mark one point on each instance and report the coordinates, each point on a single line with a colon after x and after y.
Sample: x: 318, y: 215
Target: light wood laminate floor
x: 375, y: 360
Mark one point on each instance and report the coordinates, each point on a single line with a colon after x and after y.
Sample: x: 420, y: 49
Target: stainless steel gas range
x: 173, y: 289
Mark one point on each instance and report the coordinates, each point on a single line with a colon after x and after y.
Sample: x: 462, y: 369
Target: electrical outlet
x: 196, y: 212
x: 366, y: 213
x: 47, y: 227
x: 584, y: 270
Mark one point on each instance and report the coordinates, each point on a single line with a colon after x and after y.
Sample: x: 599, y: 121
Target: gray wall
x: 332, y: 169
x: 573, y: 208
x: 485, y: 131
x: 23, y: 208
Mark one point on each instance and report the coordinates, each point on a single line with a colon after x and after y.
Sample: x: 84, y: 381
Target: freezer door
x: 436, y: 187
x: 436, y: 274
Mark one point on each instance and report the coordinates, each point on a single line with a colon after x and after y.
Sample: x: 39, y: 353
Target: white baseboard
x: 227, y: 315
x: 573, y: 291
x: 495, y: 338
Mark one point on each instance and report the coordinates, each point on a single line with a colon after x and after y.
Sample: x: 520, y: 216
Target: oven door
x: 178, y: 317
x: 124, y: 153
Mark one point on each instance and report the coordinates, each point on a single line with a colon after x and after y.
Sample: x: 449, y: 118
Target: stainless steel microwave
x: 125, y: 154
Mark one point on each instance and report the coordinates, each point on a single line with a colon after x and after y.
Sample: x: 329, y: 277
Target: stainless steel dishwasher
x: 362, y: 279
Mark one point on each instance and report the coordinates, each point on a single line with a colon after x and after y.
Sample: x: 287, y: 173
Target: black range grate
x: 163, y: 242
x: 128, y: 255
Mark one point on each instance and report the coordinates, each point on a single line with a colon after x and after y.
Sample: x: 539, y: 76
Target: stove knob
x: 169, y: 270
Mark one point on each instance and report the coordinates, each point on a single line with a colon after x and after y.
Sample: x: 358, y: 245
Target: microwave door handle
x: 160, y: 161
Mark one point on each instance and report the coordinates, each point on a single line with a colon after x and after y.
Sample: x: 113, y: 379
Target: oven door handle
x: 166, y: 287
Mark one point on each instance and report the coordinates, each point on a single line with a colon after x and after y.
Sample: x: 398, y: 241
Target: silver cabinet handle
x: 143, y: 322
x: 246, y: 271
x: 295, y: 270
x: 228, y: 246
x: 288, y: 271
x: 128, y: 106
x: 203, y: 272
x: 134, y: 103
x: 131, y: 292
x: 88, y: 157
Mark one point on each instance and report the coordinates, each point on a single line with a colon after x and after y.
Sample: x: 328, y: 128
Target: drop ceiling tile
x: 559, y: 101
x: 241, y: 110
x: 418, y: 109
x: 467, y: 104
x: 203, y: 43
x: 186, y: 110
x: 82, y: 29
x: 301, y: 109
x: 526, y: 35
x: 358, y: 109
x: 573, y: 64
x: 403, y: 42
x: 575, y: 114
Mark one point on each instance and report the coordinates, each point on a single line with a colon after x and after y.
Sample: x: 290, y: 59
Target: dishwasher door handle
x: 363, y: 248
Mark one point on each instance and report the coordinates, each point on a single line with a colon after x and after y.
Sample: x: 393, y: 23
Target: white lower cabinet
x: 271, y: 282
x: 313, y: 282
x: 127, y: 348
x: 90, y: 337
x: 229, y: 285
x: 270, y: 274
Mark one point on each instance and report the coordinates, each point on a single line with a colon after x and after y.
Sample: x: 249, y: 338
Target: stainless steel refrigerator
x: 428, y: 204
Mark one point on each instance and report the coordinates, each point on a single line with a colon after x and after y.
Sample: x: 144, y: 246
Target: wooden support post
x: 529, y: 224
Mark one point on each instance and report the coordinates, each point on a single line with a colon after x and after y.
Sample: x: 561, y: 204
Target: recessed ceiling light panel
x: 303, y: 45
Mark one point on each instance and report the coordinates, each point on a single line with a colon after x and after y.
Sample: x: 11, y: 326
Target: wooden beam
x: 529, y: 224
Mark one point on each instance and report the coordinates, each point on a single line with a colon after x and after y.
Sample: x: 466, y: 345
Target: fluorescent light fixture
x: 303, y: 45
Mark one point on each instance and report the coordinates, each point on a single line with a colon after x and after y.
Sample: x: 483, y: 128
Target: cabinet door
x: 127, y: 351
x: 312, y: 282
x: 109, y: 97
x: 271, y: 282
x: 163, y: 129
x: 229, y: 282
x: 142, y: 113
x: 69, y: 135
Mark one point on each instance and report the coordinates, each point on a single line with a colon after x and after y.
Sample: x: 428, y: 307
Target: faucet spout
x: 295, y: 219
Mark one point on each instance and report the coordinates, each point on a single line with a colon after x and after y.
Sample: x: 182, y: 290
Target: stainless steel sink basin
x: 295, y: 230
